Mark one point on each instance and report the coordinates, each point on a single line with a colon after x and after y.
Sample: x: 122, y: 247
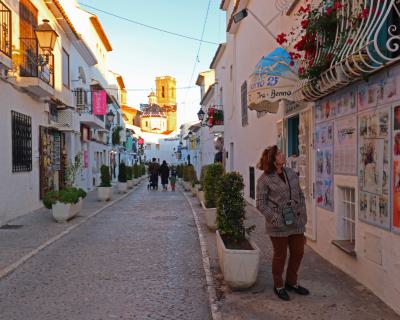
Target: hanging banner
x: 99, y: 100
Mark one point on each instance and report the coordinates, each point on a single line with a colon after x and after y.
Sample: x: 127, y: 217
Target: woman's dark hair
x: 267, y: 161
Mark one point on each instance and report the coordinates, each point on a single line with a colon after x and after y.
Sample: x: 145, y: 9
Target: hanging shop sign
x: 373, y: 167
x: 273, y: 79
x: 99, y: 100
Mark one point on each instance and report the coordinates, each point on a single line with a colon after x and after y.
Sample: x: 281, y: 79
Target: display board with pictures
x: 381, y: 90
x: 345, y: 158
x: 336, y: 106
x: 396, y: 168
x: 373, y: 167
x: 324, y: 165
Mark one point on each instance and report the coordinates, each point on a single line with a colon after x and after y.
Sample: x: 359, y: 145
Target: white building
x: 45, y: 101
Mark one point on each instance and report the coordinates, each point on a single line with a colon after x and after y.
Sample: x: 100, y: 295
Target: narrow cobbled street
x: 138, y: 259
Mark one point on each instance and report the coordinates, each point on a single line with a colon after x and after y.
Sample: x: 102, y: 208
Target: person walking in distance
x: 172, y: 178
x: 281, y: 201
x: 154, y: 168
x: 164, y: 173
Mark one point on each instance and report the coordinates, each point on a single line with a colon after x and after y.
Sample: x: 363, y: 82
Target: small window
x: 163, y: 92
x: 65, y: 68
x: 293, y: 136
x: 244, y: 104
x: 346, y: 222
x: 252, y: 183
x: 21, y: 127
x: 157, y: 146
x: 231, y: 73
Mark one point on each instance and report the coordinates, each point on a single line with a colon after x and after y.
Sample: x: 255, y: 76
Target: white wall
x: 166, y: 151
x: 19, y: 193
x: 244, y: 50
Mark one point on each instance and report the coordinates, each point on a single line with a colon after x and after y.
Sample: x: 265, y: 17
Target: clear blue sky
x: 140, y: 54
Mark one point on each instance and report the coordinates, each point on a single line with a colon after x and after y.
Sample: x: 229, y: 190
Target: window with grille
x: 81, y: 98
x: 21, y: 127
x: 252, y: 183
x: 346, y: 225
x: 244, y: 104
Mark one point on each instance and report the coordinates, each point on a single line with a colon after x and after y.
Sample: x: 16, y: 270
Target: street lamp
x: 110, y: 118
x: 201, y: 114
x: 46, y: 38
x: 190, y: 134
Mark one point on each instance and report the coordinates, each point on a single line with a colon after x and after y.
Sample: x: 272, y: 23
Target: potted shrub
x: 186, y: 177
x: 238, y: 255
x: 211, y: 178
x: 122, y: 185
x: 136, y: 173
x: 104, y: 191
x: 65, y: 204
x: 200, y: 188
x: 129, y: 176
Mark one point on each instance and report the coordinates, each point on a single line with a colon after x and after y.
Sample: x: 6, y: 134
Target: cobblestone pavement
x: 334, y: 295
x: 138, y: 259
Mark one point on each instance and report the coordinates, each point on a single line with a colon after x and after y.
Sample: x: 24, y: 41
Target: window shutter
x: 244, y: 104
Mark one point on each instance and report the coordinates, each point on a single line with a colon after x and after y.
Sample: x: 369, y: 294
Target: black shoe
x: 298, y: 289
x: 282, y: 294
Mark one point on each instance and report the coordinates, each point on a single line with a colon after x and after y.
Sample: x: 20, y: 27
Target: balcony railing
x: 32, y: 62
x: 357, y: 51
x: 5, y: 30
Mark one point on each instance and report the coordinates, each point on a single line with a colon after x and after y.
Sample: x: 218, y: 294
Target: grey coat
x: 272, y: 195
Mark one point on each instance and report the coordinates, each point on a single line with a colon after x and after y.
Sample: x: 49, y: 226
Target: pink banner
x: 99, y: 99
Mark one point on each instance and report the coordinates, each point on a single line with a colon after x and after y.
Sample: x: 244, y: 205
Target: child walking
x: 172, y: 178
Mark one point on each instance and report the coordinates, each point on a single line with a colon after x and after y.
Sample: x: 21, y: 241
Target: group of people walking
x: 166, y: 172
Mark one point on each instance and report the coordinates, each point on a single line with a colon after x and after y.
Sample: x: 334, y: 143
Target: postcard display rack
x: 365, y: 120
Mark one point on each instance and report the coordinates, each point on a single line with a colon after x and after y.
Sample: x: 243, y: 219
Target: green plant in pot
x: 116, y: 137
x: 211, y: 177
x: 65, y: 204
x: 104, y: 191
x: 238, y: 255
x: 129, y: 176
x: 122, y: 178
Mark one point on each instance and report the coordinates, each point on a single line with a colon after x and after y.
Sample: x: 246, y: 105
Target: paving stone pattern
x: 139, y: 259
x: 334, y: 295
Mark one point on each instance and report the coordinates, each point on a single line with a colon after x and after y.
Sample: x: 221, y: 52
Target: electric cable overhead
x: 146, y: 25
x: 197, y: 59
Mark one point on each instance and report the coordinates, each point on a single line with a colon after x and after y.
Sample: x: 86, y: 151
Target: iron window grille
x: 5, y: 30
x: 21, y: 142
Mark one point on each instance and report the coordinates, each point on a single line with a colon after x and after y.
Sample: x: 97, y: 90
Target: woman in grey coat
x: 281, y: 201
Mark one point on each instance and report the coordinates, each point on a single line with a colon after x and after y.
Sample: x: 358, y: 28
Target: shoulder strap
x: 290, y: 189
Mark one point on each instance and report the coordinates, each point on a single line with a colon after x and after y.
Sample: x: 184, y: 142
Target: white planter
x: 122, y: 187
x: 129, y: 183
x: 194, y: 191
x: 65, y: 211
x: 186, y: 186
x: 211, y: 216
x: 104, y: 193
x: 136, y: 181
x: 239, y: 267
x: 200, y: 196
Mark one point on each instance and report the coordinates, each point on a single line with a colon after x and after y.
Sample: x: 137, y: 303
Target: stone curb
x: 11, y: 268
x: 212, y: 295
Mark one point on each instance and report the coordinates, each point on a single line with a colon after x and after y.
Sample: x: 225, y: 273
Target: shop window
x: 244, y: 104
x: 252, y: 183
x: 293, y: 136
x: 346, y: 226
x: 21, y: 142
